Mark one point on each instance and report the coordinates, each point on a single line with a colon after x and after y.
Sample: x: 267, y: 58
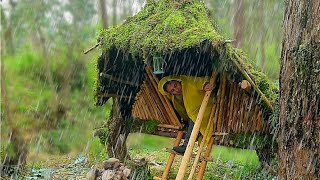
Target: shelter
x: 182, y: 34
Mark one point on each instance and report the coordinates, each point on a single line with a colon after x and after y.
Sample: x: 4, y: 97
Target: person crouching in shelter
x: 186, y: 94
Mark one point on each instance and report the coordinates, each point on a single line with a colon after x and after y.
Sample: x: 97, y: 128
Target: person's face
x: 174, y: 88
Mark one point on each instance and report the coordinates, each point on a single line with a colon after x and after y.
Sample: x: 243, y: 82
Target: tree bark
x: 114, y: 16
x: 299, y: 136
x: 117, y: 134
x: 16, y: 150
x: 262, y: 35
x: 104, y: 14
x: 239, y: 23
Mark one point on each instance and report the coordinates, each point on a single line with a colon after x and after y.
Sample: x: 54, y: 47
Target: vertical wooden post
x: 204, y: 163
x: 195, y: 131
x: 172, y: 155
x: 208, y: 129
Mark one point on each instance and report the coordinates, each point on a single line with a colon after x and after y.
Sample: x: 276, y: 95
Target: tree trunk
x: 16, y: 150
x: 6, y: 23
x: 239, y: 23
x: 104, y: 15
x: 262, y: 35
x: 299, y: 138
x: 117, y: 133
x: 114, y: 16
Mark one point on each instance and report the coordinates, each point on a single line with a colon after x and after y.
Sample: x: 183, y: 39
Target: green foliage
x: 56, y: 142
x: 230, y: 163
x: 96, y: 151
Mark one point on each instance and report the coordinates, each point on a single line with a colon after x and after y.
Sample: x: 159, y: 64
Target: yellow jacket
x: 193, y: 93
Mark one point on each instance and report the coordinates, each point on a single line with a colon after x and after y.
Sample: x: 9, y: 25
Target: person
x: 186, y: 94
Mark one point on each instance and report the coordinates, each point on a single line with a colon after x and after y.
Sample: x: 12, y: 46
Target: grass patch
x: 229, y: 163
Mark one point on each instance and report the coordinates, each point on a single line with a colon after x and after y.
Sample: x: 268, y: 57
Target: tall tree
x: 299, y: 138
x: 115, y: 13
x: 103, y: 12
x: 261, y: 15
x: 239, y: 23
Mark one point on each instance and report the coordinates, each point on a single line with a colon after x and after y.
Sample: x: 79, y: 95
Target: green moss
x: 166, y: 26
x: 161, y: 26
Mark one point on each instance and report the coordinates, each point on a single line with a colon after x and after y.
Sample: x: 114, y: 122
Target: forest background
x: 47, y: 83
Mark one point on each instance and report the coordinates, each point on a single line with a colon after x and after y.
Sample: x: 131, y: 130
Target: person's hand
x: 207, y: 87
x: 244, y: 84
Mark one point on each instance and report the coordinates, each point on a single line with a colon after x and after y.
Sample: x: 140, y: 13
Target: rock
x: 111, y: 163
x: 92, y: 174
x: 121, y: 168
x: 118, y: 177
x: 126, y: 172
x: 116, y: 165
x: 107, y: 175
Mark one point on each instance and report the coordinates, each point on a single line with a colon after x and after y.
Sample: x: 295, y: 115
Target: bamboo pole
x: 208, y: 129
x: 217, y: 108
x: 221, y: 104
x: 169, y: 126
x: 225, y: 108
x: 204, y: 163
x: 172, y: 155
x: 236, y: 104
x: 159, y: 110
x: 245, y: 113
x: 249, y: 114
x: 166, y: 112
x: 165, y: 102
x: 255, y: 118
x: 195, y: 131
x: 255, y: 87
x: 230, y: 117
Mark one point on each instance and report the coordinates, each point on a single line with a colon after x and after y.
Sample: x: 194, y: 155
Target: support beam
x: 195, y: 131
x: 206, y: 155
x: 118, y: 80
x: 172, y: 156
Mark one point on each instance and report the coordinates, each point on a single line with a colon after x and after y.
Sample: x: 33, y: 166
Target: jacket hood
x: 163, y: 81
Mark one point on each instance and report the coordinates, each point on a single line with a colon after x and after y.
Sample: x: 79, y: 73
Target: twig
x: 92, y: 48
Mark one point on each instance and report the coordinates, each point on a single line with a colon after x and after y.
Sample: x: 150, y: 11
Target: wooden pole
x: 195, y: 131
x: 255, y: 87
x: 230, y: 118
x: 165, y: 102
x: 172, y: 155
x: 204, y: 163
x: 221, y: 104
x: 208, y: 129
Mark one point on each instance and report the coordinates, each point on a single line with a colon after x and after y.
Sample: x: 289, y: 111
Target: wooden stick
x: 255, y: 87
x: 215, y: 121
x: 234, y: 111
x: 221, y: 104
x: 172, y: 155
x: 159, y: 103
x: 204, y: 140
x: 165, y: 102
x: 113, y: 95
x: 230, y: 118
x: 169, y: 126
x: 246, y: 113
x: 255, y: 120
x: 204, y: 163
x: 92, y: 48
x: 225, y: 107
x: 118, y: 80
x: 195, y: 130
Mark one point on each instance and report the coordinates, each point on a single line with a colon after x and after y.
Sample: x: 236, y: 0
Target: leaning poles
x: 195, y: 131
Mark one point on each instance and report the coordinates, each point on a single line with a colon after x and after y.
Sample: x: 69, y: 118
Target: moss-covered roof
x: 162, y: 26
x: 167, y: 26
